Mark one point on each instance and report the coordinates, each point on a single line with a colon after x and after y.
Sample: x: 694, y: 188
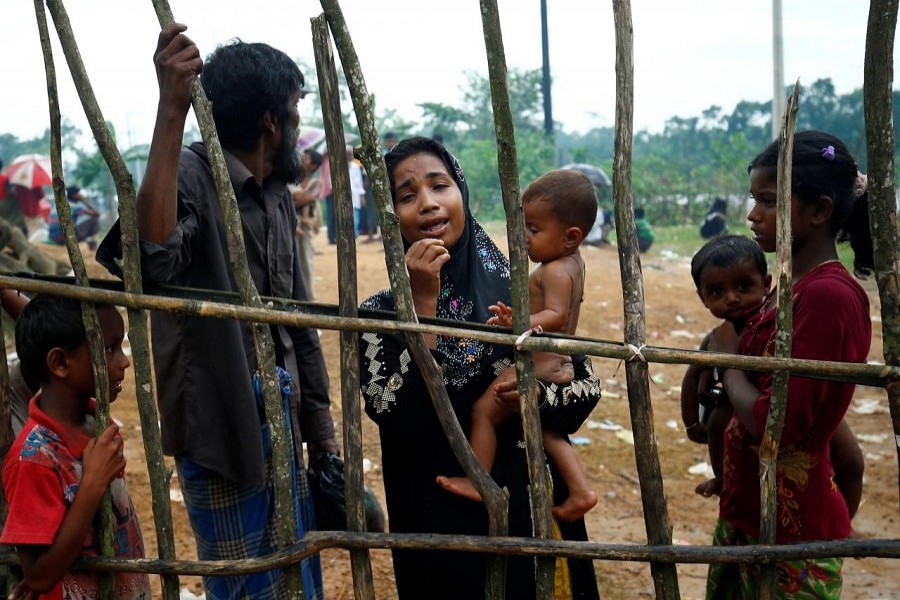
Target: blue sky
x: 688, y: 54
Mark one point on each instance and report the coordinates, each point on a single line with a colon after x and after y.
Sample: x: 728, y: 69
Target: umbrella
x: 597, y: 175
x: 30, y: 171
x: 312, y: 137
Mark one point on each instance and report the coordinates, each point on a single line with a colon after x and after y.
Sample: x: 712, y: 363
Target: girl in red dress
x: 830, y: 322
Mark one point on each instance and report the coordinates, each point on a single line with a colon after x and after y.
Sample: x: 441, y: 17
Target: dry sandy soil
x: 675, y: 318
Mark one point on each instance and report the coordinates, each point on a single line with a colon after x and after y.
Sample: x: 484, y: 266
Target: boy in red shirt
x: 56, y: 471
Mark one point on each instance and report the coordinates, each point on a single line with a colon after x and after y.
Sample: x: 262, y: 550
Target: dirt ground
x: 675, y: 318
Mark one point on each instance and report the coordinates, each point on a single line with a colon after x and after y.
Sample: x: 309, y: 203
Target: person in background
x: 57, y: 471
x: 390, y: 140
x: 643, y: 230
x: 830, y: 322
x: 210, y: 388
x: 714, y: 223
x: 357, y: 190
x: 85, y: 217
x: 309, y: 219
x: 26, y: 214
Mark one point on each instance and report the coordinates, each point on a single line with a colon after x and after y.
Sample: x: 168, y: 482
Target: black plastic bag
x: 326, y: 480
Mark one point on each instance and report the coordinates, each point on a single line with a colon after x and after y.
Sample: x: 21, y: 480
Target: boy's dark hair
x: 727, y: 251
x: 638, y: 212
x: 45, y: 323
x: 570, y: 194
x: 823, y: 166
x: 315, y: 158
x: 243, y: 82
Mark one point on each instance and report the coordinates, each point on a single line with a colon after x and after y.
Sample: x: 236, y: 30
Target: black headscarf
x: 476, y: 276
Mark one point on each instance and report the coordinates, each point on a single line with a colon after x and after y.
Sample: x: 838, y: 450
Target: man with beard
x: 210, y: 401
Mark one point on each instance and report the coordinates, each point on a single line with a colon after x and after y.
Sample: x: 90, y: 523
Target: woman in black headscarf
x: 456, y: 272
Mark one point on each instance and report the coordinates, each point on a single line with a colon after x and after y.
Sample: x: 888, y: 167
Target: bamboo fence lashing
x: 265, y: 349
x: 507, y: 162
x: 360, y: 564
x: 771, y: 437
x: 656, y: 513
x: 880, y: 139
x: 496, y: 500
x: 96, y: 346
x: 138, y: 336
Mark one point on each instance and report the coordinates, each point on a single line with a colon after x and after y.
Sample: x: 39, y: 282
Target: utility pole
x: 778, y: 67
x: 545, y: 80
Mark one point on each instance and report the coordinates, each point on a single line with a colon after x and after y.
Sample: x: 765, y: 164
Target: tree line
x: 676, y: 172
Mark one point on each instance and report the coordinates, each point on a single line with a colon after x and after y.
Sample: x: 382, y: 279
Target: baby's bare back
x: 556, y: 289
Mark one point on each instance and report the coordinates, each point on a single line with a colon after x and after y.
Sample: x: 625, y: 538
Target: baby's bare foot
x: 575, y: 506
x: 461, y: 486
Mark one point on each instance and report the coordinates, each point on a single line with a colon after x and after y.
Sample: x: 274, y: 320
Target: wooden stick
x: 507, y: 162
x: 265, y: 348
x: 360, y: 562
x: 880, y: 137
x: 279, y: 312
x: 495, y: 500
x: 316, y: 541
x: 656, y: 514
x: 106, y: 543
x: 138, y: 335
x: 768, y: 448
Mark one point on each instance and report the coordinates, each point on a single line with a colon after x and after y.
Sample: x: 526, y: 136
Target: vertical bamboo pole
x: 89, y: 314
x: 880, y: 136
x: 360, y: 564
x: 495, y: 500
x: 768, y: 447
x: 265, y: 348
x: 137, y: 319
x: 653, y: 498
x: 507, y: 161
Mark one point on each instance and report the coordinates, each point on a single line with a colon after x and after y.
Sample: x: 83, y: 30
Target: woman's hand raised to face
x: 424, y: 261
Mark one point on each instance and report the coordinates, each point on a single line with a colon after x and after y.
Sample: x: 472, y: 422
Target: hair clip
x: 828, y: 152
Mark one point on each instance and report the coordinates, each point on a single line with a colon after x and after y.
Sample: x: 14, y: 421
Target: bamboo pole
x: 265, y: 347
x: 495, y: 500
x: 507, y: 161
x: 360, y: 564
x: 653, y: 498
x: 296, y: 314
x: 317, y: 541
x: 880, y: 137
x: 784, y: 304
x: 105, y: 520
x: 138, y: 335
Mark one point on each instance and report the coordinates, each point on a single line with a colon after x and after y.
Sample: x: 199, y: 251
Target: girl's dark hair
x: 417, y: 145
x: 725, y: 252
x: 45, y: 323
x: 822, y: 166
x: 243, y: 82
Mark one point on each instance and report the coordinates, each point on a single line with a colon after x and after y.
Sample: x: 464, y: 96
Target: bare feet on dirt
x: 710, y: 487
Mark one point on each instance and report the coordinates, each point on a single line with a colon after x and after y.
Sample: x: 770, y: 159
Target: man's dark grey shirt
x: 204, y: 365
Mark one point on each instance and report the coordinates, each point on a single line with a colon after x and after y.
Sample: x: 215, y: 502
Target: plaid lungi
x: 232, y: 521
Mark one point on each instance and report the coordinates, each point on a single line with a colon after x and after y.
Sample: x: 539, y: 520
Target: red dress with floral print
x: 831, y: 322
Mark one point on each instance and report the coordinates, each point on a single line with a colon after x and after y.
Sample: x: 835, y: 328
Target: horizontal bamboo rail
x: 299, y: 314
x: 316, y: 541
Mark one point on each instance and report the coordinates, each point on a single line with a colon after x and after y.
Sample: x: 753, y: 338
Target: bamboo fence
x: 248, y: 306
